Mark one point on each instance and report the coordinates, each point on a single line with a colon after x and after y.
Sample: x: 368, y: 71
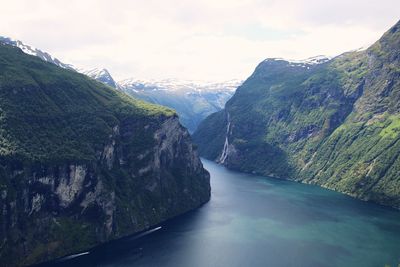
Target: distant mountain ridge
x: 305, y: 62
x: 101, y: 75
x: 179, y: 85
x: 193, y: 100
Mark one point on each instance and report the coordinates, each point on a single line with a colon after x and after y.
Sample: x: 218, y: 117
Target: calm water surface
x: 258, y: 221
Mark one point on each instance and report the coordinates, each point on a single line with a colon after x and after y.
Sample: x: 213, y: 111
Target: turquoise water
x: 258, y: 221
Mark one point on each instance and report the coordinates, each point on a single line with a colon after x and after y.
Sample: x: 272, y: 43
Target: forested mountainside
x: 192, y: 100
x: 334, y: 123
x: 82, y: 163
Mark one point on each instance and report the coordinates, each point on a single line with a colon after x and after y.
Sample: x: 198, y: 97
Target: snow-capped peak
x: 94, y: 73
x: 308, y: 61
x: 30, y: 50
x: 179, y: 85
x: 100, y: 74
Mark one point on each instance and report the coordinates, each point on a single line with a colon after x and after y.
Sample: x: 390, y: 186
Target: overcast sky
x: 204, y: 40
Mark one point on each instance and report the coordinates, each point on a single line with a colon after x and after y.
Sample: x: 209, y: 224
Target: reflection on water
x: 258, y: 221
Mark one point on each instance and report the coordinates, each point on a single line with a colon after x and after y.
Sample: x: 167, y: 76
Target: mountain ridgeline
x: 193, y: 101
x: 101, y: 75
x: 30, y: 50
x: 82, y: 163
x: 335, y: 124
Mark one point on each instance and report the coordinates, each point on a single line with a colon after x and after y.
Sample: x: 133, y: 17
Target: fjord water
x: 257, y: 221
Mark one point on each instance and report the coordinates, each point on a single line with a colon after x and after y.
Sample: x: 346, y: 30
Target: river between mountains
x: 258, y: 221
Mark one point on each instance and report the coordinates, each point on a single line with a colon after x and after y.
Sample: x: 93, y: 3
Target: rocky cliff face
x: 334, y: 123
x: 85, y: 168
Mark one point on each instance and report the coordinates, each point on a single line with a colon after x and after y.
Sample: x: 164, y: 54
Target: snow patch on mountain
x: 99, y: 74
x: 30, y: 50
x: 304, y: 62
x: 363, y: 48
x: 188, y: 86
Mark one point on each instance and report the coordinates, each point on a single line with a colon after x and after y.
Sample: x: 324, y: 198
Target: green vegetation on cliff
x: 335, y: 124
x: 82, y: 164
x: 48, y: 113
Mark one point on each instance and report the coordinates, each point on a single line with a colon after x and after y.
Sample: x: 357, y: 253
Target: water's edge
x: 260, y: 221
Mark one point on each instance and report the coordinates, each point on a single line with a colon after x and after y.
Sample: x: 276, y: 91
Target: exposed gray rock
x: 124, y: 191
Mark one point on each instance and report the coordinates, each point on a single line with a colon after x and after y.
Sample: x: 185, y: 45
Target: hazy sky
x: 205, y: 40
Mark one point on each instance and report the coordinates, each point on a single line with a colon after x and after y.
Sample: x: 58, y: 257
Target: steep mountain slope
x: 192, y: 100
x: 81, y: 163
x: 334, y: 123
x: 101, y: 75
x: 27, y: 49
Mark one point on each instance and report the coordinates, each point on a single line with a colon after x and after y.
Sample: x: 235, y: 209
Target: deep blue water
x: 259, y: 221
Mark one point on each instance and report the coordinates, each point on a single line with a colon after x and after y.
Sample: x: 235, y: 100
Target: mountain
x: 192, y: 100
x: 335, y: 124
x: 101, y: 75
x: 27, y: 49
x: 82, y: 163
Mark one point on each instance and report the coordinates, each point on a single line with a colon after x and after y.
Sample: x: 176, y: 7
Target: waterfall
x: 224, y: 154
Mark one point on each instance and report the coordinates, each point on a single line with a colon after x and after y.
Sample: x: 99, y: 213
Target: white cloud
x: 211, y: 40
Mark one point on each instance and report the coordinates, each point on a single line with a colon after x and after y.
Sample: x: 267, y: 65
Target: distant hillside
x: 192, y: 100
